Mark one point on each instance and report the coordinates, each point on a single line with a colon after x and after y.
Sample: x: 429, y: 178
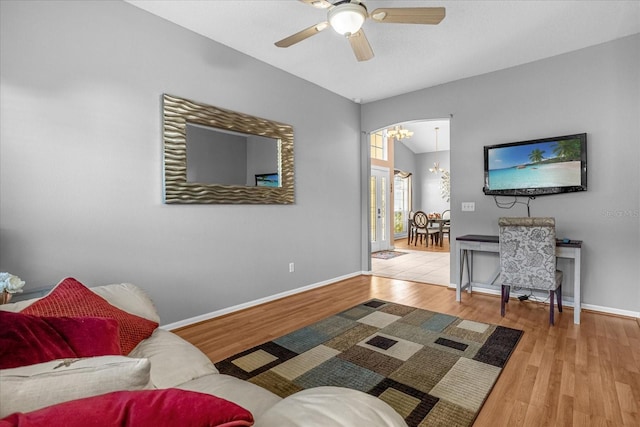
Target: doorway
x: 411, y: 159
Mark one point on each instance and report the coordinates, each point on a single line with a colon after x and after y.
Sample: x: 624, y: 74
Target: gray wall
x: 594, y: 90
x: 405, y: 160
x: 430, y: 183
x: 81, y: 162
x: 80, y: 159
x: 426, y: 185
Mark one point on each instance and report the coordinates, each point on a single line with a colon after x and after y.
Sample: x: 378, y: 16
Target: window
x: 379, y: 146
x: 378, y: 209
x: 401, y: 201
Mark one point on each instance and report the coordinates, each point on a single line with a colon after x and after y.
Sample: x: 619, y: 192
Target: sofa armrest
x: 173, y: 359
x: 330, y: 407
x: 255, y: 399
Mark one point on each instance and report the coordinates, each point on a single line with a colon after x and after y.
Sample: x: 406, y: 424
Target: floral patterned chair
x: 528, y: 258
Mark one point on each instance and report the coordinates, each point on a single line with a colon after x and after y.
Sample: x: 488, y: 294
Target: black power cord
x: 509, y: 205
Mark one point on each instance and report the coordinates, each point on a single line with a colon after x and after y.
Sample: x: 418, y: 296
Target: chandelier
x: 436, y: 165
x: 398, y: 132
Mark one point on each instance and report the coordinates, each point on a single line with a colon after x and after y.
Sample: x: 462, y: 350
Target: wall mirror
x: 213, y: 155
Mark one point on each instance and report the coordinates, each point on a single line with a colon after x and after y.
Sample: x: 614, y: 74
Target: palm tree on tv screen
x: 536, y: 155
x: 568, y: 150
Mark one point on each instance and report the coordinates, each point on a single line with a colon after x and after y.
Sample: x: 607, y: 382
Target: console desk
x: 469, y: 243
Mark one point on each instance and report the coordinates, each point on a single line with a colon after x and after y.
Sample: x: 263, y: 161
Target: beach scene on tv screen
x: 267, y: 180
x: 540, y: 164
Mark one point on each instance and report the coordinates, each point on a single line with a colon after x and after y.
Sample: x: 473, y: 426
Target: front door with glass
x: 378, y: 210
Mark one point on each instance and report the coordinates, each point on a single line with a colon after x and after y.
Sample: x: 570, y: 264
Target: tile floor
x: 418, y: 266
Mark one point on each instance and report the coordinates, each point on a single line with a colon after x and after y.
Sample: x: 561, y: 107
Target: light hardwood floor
x: 565, y: 375
x: 403, y: 244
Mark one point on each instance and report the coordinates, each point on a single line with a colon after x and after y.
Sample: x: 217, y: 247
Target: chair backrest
x: 420, y: 219
x: 446, y: 214
x: 528, y: 252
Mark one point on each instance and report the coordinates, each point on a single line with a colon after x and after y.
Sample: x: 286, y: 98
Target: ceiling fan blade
x: 318, y: 4
x: 409, y: 15
x: 360, y: 45
x: 302, y: 35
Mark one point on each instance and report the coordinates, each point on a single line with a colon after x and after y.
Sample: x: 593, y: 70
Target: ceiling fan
x: 347, y: 16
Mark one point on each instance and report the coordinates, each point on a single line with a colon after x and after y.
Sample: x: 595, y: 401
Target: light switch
x: 468, y: 206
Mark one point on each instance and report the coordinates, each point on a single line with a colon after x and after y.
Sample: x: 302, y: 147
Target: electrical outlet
x: 292, y: 267
x: 468, y: 206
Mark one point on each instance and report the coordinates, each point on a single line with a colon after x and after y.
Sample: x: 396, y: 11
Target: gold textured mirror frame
x: 177, y: 112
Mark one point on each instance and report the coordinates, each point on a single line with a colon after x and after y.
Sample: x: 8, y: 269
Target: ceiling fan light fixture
x: 347, y: 18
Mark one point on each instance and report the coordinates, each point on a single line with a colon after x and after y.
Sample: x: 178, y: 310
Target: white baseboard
x: 609, y: 310
x: 221, y: 312
x: 566, y: 301
x: 207, y: 316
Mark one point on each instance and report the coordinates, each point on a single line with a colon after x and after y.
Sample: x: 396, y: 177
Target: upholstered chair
x: 528, y: 258
x: 410, y: 228
x: 421, y: 228
x: 446, y: 227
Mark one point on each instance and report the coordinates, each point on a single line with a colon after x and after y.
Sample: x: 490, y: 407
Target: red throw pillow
x: 27, y: 340
x: 143, y: 408
x: 72, y: 299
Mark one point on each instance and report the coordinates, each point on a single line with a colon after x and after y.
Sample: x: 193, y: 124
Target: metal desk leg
x: 464, y: 257
x: 460, y: 267
x: 576, y: 288
x: 469, y: 271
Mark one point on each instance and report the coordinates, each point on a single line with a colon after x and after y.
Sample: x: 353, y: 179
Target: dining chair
x: 528, y: 258
x: 410, y: 228
x: 422, y: 229
x: 434, y: 228
x: 446, y: 226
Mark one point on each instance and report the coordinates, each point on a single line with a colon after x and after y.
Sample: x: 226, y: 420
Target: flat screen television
x: 537, y: 167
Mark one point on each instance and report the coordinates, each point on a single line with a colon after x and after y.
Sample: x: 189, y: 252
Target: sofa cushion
x: 255, y: 399
x: 71, y: 298
x: 26, y: 339
x: 330, y: 407
x: 35, y: 386
x: 149, y: 408
x: 173, y: 360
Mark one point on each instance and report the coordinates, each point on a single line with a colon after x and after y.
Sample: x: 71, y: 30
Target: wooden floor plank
x: 567, y: 374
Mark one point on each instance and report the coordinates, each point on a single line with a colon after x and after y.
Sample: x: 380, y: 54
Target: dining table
x: 440, y: 223
x: 433, y: 222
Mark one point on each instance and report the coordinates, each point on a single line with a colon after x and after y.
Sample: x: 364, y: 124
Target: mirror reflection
x: 217, y: 156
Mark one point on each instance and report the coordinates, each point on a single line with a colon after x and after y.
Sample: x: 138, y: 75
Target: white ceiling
x: 475, y: 37
x: 424, y: 136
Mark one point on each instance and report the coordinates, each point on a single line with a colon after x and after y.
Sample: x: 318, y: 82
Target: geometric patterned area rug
x: 387, y: 254
x: 432, y: 368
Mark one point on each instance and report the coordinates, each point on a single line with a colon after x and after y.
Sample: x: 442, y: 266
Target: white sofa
x: 175, y: 363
